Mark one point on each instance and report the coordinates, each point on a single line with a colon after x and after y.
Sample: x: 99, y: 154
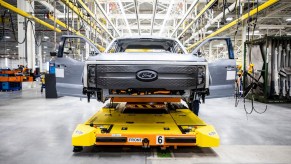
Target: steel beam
x: 273, y: 27
x: 154, y: 15
x: 50, y: 7
x: 242, y: 18
x: 206, y: 7
x: 218, y: 17
x: 187, y: 1
x: 167, y: 15
x: 25, y: 14
x: 106, y: 16
x: 95, y: 17
x: 132, y: 16
x: 124, y: 16
x: 80, y: 14
x: 137, y: 13
x: 185, y: 16
x: 62, y: 24
x: 144, y: 27
x: 76, y: 10
x: 284, y: 6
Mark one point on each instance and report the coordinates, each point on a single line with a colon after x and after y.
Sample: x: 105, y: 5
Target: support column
x: 243, y: 36
x: 39, y: 54
x: 26, y: 50
x: 87, y: 47
x: 78, y: 47
x: 21, y: 34
x: 30, y: 47
x: 7, y: 63
x: 243, y: 39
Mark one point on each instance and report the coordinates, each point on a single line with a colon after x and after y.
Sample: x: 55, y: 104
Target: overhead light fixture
x: 229, y: 19
x: 44, y: 52
x: 288, y: 19
x: 255, y: 34
x: 46, y: 37
x: 7, y: 37
x: 7, y: 49
x: 44, y: 46
x: 271, y: 27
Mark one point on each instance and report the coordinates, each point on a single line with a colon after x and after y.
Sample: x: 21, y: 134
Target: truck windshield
x: 145, y: 45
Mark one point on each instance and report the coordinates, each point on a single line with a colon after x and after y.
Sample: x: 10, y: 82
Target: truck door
x: 69, y: 64
x: 222, y: 65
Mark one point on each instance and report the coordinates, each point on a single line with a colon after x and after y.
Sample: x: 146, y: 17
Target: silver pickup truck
x: 144, y: 67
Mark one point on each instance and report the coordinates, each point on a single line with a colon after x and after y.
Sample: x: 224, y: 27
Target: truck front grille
x: 170, y: 77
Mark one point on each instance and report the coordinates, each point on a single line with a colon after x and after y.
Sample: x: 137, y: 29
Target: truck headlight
x: 91, y: 70
x: 91, y: 75
x: 201, y: 75
x: 91, y: 80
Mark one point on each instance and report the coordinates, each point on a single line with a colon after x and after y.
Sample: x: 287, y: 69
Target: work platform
x: 145, y: 124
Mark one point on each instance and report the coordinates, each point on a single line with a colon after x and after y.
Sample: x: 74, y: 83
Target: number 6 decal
x: 160, y: 140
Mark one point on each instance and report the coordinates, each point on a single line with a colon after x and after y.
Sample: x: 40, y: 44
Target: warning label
x: 134, y: 139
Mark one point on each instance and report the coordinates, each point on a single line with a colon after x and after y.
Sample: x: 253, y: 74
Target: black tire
x: 236, y: 94
x: 195, y: 105
x: 189, y: 105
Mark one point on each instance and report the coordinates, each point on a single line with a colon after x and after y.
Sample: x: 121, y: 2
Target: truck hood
x: 146, y: 57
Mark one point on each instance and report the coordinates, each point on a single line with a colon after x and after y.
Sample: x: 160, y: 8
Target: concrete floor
x: 38, y: 130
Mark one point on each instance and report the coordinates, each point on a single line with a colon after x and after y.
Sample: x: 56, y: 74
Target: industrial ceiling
x: 189, y: 20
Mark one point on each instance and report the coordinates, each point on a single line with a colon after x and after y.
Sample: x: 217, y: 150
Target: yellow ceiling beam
x: 51, y: 17
x: 231, y: 24
x: 81, y: 15
x: 25, y: 14
x: 93, y: 16
x: 209, y: 4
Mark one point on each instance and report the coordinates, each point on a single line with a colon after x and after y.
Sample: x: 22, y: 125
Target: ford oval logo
x: 146, y: 75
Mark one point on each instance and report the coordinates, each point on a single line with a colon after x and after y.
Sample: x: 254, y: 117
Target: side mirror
x: 93, y: 53
x: 198, y: 53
